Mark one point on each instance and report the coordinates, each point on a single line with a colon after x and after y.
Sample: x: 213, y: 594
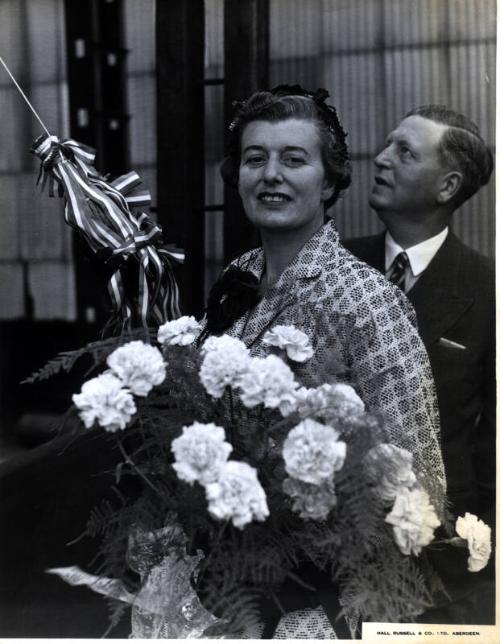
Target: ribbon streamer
x: 101, y: 212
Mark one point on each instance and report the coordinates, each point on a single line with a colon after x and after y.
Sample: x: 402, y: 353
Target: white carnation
x: 478, y: 536
x: 225, y: 361
x: 103, y: 399
x: 391, y: 468
x: 237, y: 495
x: 200, y: 453
x: 333, y: 404
x: 287, y: 337
x: 312, y: 452
x: 311, y: 501
x: 313, y: 403
x: 346, y: 401
x: 269, y: 381
x: 413, y: 519
x: 182, y: 331
x: 138, y: 365
x: 221, y: 343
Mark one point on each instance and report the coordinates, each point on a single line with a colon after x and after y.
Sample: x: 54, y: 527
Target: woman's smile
x: 282, y: 177
x: 274, y: 198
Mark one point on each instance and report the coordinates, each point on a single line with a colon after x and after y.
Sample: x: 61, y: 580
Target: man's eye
x: 405, y: 152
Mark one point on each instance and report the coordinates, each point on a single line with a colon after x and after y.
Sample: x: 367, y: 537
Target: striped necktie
x: 398, y: 270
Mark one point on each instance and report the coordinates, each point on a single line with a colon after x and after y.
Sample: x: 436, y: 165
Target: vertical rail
x: 111, y: 60
x: 180, y: 28
x: 246, y: 69
x: 96, y: 83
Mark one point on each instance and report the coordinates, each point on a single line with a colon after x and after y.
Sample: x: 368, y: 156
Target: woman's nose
x: 273, y: 171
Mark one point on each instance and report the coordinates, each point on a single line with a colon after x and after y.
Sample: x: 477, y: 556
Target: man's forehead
x: 420, y: 130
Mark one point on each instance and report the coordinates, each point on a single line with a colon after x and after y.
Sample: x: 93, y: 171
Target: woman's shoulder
x: 359, y: 288
x: 249, y: 260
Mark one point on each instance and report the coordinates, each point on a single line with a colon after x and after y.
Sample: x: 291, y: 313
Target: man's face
x: 408, y: 172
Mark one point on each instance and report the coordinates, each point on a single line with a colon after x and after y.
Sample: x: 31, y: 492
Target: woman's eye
x: 294, y: 161
x: 255, y: 159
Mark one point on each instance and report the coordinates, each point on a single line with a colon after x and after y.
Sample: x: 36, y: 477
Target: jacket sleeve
x: 484, y: 452
x: 390, y: 367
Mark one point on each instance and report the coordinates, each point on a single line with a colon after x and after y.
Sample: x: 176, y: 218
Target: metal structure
x: 98, y: 117
x: 246, y: 47
x: 180, y: 159
x: 180, y: 117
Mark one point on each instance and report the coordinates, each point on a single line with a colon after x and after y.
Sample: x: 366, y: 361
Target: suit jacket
x: 454, y: 303
x: 353, y: 315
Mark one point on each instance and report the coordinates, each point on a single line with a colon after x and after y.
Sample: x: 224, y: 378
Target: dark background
x: 150, y: 85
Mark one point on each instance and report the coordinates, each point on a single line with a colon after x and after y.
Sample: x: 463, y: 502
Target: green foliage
x: 64, y: 361
x: 243, y: 568
x: 386, y: 585
x: 117, y: 611
x: 101, y: 519
x: 98, y: 351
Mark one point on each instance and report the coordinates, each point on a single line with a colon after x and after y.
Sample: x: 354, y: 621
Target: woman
x: 289, y: 161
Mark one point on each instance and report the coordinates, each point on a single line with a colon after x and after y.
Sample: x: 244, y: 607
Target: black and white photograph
x: 248, y: 320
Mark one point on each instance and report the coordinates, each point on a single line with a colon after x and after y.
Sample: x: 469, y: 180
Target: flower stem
x: 129, y: 461
x: 213, y: 546
x: 231, y: 412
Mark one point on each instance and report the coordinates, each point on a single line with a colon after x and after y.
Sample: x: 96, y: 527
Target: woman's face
x: 282, y: 179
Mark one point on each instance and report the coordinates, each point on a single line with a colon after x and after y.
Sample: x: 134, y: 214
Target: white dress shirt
x: 419, y: 256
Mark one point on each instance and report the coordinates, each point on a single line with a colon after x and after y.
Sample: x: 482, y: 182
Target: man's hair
x: 292, y: 102
x: 461, y: 148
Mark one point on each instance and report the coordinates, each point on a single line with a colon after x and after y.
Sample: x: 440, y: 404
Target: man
x: 431, y: 164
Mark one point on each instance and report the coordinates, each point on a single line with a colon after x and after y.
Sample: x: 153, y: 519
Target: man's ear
x: 449, y: 186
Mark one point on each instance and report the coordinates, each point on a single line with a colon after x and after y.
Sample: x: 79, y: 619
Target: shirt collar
x: 309, y: 261
x: 420, y: 255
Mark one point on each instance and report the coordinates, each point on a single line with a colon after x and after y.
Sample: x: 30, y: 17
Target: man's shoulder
x: 357, y: 245
x: 482, y: 261
x: 370, y: 249
x: 473, y: 265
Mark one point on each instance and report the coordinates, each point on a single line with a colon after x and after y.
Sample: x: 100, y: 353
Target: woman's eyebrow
x: 253, y: 147
x: 295, y: 148
x: 287, y: 148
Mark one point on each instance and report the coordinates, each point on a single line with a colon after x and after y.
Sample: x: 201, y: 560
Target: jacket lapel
x: 436, y: 295
x: 267, y: 311
x: 306, y: 266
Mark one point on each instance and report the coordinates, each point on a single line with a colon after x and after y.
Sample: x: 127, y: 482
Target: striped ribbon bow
x: 101, y: 212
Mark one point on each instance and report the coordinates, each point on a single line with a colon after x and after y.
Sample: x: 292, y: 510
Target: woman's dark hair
x: 292, y: 102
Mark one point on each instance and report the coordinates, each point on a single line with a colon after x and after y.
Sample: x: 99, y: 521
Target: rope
x: 24, y: 95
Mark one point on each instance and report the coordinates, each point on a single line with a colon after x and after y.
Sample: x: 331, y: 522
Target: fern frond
x: 64, y: 361
x: 100, y: 519
x: 116, y: 611
x: 98, y: 350
x: 371, y: 590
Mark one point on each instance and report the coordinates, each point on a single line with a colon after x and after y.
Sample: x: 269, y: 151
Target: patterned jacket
x: 354, y: 317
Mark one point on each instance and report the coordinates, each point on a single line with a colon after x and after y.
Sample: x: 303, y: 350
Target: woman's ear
x: 229, y: 172
x: 449, y: 186
x: 327, y: 190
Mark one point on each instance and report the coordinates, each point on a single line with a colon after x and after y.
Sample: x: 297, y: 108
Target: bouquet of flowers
x: 250, y: 484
